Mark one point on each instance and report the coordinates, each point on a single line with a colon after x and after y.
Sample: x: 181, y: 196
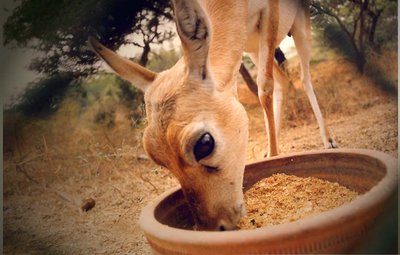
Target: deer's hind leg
x: 280, y: 85
x: 302, y: 38
x: 265, y: 78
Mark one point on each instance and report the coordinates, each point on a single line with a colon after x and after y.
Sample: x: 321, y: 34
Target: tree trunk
x: 374, y: 23
x: 360, y: 61
x: 145, y: 55
x: 361, y: 31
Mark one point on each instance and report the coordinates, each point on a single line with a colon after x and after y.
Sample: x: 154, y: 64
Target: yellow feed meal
x: 284, y: 198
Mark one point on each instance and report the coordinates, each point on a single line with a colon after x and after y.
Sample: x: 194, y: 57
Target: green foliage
x: 336, y: 38
x: 387, y: 29
x: 59, y: 29
x: 163, y: 59
x: 42, y: 98
x: 98, y: 86
x: 357, y: 18
x: 133, y: 99
x: 103, y: 93
x: 356, y: 26
x: 99, y: 96
x: 382, y: 68
x: 128, y: 94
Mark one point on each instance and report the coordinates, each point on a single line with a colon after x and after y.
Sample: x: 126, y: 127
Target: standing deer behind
x: 196, y: 126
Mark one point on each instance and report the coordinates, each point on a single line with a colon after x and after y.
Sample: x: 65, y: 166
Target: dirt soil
x: 50, y: 168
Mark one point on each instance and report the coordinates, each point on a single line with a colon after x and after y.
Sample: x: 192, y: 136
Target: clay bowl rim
x: 380, y: 192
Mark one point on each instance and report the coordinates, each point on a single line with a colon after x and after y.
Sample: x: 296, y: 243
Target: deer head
x: 196, y: 127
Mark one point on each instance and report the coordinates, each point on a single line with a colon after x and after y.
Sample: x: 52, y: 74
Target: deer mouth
x: 196, y: 210
x: 222, y: 220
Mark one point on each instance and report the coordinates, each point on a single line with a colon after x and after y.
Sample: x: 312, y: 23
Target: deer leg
x: 302, y: 39
x: 265, y: 83
x: 280, y: 82
x: 265, y: 95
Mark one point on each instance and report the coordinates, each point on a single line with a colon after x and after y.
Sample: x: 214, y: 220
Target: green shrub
x: 337, y: 38
x: 42, y: 98
x: 163, y: 59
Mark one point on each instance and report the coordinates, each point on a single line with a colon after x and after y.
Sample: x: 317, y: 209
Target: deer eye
x: 204, y: 146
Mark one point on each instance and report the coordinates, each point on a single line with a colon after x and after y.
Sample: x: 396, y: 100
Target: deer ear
x: 193, y: 29
x: 139, y: 76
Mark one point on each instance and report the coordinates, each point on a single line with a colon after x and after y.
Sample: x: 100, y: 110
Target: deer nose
x: 231, y: 224
x: 224, y: 225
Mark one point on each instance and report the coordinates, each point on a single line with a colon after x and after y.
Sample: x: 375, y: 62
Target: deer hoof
x: 331, y: 144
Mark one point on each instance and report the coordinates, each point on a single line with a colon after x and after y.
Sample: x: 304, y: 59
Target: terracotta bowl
x: 167, y: 221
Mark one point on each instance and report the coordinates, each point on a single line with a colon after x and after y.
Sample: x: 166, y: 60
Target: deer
x: 196, y: 127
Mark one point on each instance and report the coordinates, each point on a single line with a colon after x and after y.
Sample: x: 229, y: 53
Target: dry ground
x: 50, y: 166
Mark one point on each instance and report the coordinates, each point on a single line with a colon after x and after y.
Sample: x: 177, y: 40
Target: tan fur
x: 125, y: 68
x: 198, y: 96
x: 268, y: 23
x: 225, y: 63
